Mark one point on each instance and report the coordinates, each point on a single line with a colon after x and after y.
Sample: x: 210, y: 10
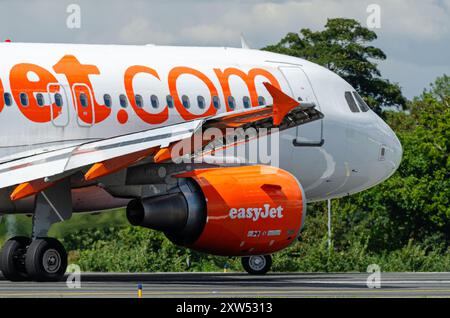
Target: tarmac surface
x: 231, y: 285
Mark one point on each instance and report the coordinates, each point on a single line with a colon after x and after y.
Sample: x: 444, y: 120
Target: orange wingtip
x: 27, y: 189
x: 282, y: 103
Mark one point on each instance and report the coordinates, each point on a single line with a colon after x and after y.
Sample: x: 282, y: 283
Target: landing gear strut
x: 257, y: 264
x: 40, y: 258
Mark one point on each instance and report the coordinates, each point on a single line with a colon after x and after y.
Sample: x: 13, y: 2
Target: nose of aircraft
x: 397, y: 150
x: 391, y: 151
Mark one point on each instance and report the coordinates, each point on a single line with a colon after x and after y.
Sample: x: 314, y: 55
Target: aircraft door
x: 309, y: 134
x: 59, y: 104
x: 84, y: 104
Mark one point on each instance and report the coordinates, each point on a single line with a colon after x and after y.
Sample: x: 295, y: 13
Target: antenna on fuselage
x: 244, y: 43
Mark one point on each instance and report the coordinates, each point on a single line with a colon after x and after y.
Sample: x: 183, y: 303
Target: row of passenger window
x: 201, y: 103
x: 24, y: 101
x: 123, y: 100
x: 353, y: 100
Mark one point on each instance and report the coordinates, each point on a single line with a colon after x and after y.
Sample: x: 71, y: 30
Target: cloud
x: 426, y: 20
x: 140, y: 30
x: 207, y: 33
x: 413, y: 33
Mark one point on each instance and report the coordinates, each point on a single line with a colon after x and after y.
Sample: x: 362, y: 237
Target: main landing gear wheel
x: 46, y: 260
x: 257, y: 264
x: 12, y: 259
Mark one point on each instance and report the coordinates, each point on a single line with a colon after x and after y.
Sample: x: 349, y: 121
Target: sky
x: 414, y: 34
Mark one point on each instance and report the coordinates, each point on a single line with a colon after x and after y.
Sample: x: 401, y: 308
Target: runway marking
x: 206, y: 284
x: 312, y: 292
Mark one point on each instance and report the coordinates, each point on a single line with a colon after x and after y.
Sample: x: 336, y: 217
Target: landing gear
x: 257, y: 264
x: 46, y: 260
x: 40, y: 258
x: 12, y: 259
x: 43, y: 259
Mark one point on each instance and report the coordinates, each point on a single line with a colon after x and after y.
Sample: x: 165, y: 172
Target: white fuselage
x: 343, y: 153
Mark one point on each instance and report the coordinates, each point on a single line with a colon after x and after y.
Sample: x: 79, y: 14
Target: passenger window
x: 139, y: 101
x: 201, y: 102
x: 83, y: 100
x: 169, y: 100
x: 351, y: 102
x: 231, y: 102
x: 261, y: 101
x: 40, y: 99
x: 154, y: 100
x: 58, y: 100
x: 246, y: 101
x: 216, y: 102
x: 8, y: 99
x: 185, y: 101
x: 24, y: 99
x: 362, y: 104
x: 123, y: 101
x: 107, y: 100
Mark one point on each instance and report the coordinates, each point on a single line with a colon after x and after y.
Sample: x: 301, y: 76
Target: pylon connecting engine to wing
x: 234, y: 211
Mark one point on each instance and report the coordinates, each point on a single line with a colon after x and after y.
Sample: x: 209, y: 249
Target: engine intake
x: 181, y: 215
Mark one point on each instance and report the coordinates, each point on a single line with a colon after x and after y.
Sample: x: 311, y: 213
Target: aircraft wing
x: 35, y: 173
x: 52, y: 164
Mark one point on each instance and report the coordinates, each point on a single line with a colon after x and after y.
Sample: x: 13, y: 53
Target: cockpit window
x: 351, y: 102
x: 362, y: 104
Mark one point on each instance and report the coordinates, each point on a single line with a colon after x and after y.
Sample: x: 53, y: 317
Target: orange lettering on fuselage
x: 174, y: 74
x: 20, y: 83
x: 77, y: 76
x: 248, y: 78
x: 77, y: 73
x: 128, y: 80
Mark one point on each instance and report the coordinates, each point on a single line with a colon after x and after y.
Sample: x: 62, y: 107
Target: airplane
x: 174, y: 135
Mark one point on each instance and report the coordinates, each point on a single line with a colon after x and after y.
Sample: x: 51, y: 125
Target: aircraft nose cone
x: 397, y: 151
x: 393, y: 151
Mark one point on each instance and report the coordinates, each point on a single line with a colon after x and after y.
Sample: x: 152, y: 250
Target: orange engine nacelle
x: 234, y: 211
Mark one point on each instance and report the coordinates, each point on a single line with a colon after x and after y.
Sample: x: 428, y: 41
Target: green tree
x: 414, y: 204
x: 343, y: 48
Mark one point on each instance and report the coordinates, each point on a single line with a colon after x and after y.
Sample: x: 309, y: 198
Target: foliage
x: 342, y: 48
x: 132, y: 249
x: 403, y: 224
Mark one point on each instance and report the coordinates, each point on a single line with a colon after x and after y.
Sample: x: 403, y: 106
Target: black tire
x: 46, y: 260
x: 257, y: 264
x: 12, y: 259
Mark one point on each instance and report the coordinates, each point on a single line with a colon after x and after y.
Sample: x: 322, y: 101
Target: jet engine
x: 232, y: 211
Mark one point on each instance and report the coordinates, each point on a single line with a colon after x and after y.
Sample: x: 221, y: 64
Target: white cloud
x: 425, y: 20
x: 140, y: 31
x: 207, y: 33
x: 415, y: 34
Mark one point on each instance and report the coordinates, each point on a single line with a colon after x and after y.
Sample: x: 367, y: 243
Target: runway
x: 230, y: 285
